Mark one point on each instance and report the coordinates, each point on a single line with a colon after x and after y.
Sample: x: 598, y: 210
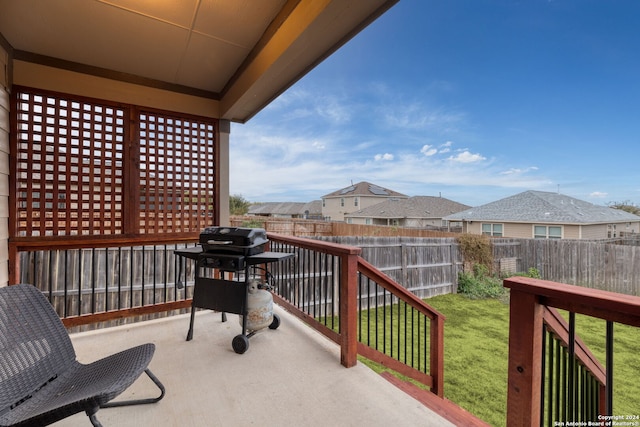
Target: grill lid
x: 248, y: 241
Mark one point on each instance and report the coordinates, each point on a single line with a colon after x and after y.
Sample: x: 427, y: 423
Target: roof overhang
x: 237, y: 54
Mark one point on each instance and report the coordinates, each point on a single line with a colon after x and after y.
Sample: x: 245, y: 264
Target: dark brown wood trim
x: 348, y: 306
x: 391, y: 363
x: 524, y: 374
x: 560, y: 328
x: 222, y: 126
x: 319, y: 246
x: 49, y: 61
x: 76, y: 242
x: 309, y: 320
x: 443, y: 407
x: 605, y: 305
x: 436, y: 351
x: 121, y: 314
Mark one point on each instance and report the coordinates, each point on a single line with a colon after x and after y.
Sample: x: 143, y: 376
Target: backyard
x: 476, y: 354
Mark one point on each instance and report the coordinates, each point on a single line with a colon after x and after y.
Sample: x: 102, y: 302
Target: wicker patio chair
x: 41, y: 381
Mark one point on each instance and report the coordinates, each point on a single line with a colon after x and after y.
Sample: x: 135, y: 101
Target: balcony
x: 334, y: 307
x: 292, y: 374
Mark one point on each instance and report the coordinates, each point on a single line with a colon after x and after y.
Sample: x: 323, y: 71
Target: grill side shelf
x: 220, y: 295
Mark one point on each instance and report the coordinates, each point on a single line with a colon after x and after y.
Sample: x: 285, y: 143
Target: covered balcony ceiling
x: 242, y: 53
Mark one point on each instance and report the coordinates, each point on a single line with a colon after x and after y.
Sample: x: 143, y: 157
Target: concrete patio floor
x: 289, y: 376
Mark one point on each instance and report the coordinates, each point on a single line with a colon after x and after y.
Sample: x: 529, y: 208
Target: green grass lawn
x: 476, y: 337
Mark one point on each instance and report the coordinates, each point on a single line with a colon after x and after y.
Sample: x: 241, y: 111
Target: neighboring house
x: 539, y: 214
x: 311, y: 210
x: 417, y: 211
x: 353, y: 198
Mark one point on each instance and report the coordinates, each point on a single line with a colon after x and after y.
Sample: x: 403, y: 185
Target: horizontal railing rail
x: 529, y: 302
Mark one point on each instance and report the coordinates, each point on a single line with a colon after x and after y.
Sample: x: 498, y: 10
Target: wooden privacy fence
x: 285, y: 226
x: 315, y: 228
x: 83, y: 281
x: 424, y: 266
x: 592, y: 264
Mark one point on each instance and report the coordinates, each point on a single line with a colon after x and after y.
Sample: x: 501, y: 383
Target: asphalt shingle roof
x: 413, y: 207
x: 365, y: 189
x: 541, y: 206
x: 286, y: 208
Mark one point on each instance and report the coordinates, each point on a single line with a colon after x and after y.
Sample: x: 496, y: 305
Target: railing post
x: 349, y: 311
x: 525, y: 360
x: 437, y: 355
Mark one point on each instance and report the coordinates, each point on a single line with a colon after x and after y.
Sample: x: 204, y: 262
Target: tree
x: 238, y: 205
x: 626, y: 206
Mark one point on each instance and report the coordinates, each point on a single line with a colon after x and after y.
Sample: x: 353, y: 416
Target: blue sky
x: 474, y: 100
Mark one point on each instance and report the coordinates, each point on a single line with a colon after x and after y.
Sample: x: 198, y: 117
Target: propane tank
x: 259, y: 307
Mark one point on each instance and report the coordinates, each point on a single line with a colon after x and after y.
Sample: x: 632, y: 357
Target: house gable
x: 355, y: 197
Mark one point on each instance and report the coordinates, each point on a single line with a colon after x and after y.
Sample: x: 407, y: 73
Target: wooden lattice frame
x: 86, y: 167
x: 177, y: 165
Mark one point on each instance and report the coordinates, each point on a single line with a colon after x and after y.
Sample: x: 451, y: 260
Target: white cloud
x: 385, y: 156
x: 598, y: 194
x: 445, y: 148
x: 302, y: 147
x: 418, y: 116
x: 518, y: 171
x: 333, y: 109
x: 428, y: 150
x: 467, y: 157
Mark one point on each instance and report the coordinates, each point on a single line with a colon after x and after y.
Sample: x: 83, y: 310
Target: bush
x: 479, y: 284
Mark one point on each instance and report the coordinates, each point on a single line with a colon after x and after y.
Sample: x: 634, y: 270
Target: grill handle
x: 219, y: 242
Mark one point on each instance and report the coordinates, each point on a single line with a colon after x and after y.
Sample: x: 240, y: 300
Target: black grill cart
x: 229, y: 250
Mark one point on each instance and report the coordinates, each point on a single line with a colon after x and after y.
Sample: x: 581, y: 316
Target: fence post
x: 403, y: 265
x: 453, y: 255
x: 349, y: 310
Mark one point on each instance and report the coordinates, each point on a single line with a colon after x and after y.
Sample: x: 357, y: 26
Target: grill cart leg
x: 193, y: 316
x: 240, y: 342
x: 275, y: 323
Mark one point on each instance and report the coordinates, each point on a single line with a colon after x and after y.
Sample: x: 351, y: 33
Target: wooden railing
x: 350, y: 301
x: 574, y: 381
x: 530, y: 303
x: 106, y: 280
x: 327, y: 285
